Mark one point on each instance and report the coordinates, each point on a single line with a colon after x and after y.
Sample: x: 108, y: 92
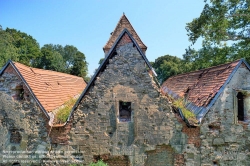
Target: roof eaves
x: 103, y: 64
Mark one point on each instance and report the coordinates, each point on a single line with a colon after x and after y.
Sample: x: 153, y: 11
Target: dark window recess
x: 15, y: 136
x: 240, y: 99
x: 19, y: 92
x: 124, y: 111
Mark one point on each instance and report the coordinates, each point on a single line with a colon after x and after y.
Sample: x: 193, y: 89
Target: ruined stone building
x: 28, y: 97
x: 219, y: 97
x: 123, y: 116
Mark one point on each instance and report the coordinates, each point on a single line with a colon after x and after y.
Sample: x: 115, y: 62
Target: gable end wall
x: 224, y: 141
x: 21, y: 117
x: 96, y: 128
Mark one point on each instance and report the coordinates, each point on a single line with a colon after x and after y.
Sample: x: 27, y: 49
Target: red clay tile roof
x: 199, y: 87
x: 51, y: 88
x: 123, y: 23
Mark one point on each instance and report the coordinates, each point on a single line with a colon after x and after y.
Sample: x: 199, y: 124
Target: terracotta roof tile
x: 51, y: 88
x: 199, y: 87
x: 122, y: 24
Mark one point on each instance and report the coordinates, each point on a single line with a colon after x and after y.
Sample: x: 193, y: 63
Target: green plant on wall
x: 99, y: 163
x: 188, y: 115
x: 63, y: 113
x: 76, y: 165
x: 180, y: 104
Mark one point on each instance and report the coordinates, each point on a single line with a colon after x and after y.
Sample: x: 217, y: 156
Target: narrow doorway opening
x: 240, y: 99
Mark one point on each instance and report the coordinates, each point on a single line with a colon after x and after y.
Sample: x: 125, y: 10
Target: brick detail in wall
x: 193, y: 133
x: 179, y: 160
x: 125, y: 40
x: 59, y: 135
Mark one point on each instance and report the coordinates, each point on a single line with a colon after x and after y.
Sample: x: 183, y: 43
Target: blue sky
x: 87, y: 24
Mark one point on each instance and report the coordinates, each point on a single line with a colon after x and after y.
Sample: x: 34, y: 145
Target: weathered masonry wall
x: 224, y: 140
x: 96, y: 127
x: 22, y: 123
x: 151, y: 134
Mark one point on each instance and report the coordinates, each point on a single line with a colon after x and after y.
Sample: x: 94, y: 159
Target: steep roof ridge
x: 203, y: 70
x: 118, y: 30
x: 103, y: 65
x: 40, y: 71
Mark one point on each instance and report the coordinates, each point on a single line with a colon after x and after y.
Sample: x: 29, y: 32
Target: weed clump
x: 63, y: 113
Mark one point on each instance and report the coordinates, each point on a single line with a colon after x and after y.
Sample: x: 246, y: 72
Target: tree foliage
x: 8, y: 50
x: 167, y: 65
x: 21, y: 47
x: 224, y: 26
x: 66, y: 59
x: 27, y: 48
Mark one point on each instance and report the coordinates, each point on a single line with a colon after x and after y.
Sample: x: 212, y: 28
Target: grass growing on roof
x: 180, y: 104
x: 63, y: 113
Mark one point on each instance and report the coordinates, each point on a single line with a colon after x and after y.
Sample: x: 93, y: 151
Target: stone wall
x: 152, y: 135
x: 97, y: 129
x: 224, y: 140
x: 22, y: 123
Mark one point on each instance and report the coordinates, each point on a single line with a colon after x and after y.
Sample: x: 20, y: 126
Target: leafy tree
x: 8, y: 50
x: 50, y: 59
x: 206, y: 57
x: 167, y: 66
x: 26, y: 46
x: 79, y: 65
x: 21, y: 47
x: 224, y: 26
x: 66, y: 59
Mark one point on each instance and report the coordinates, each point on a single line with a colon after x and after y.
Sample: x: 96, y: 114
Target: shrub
x: 99, y: 163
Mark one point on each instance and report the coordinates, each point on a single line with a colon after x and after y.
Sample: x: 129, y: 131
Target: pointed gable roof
x: 50, y: 89
x: 105, y: 62
x: 121, y: 25
x: 201, y: 88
